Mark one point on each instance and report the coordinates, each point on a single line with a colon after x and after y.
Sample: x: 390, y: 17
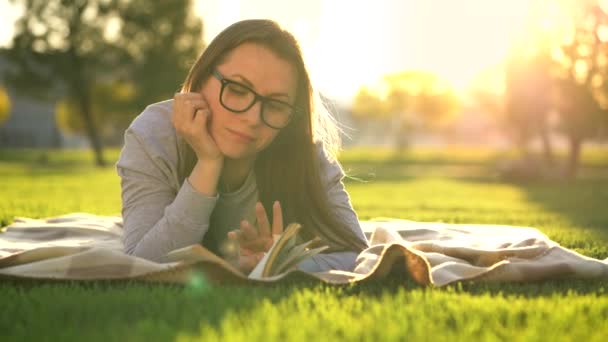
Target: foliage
x: 111, y: 110
x: 580, y: 81
x: 419, y: 97
x: 426, y: 95
x: 528, y: 100
x: 5, y: 106
x: 581, y: 74
x: 169, y: 38
x: 76, y: 50
x: 392, y: 309
x: 368, y: 104
x: 556, y: 81
x: 414, y: 100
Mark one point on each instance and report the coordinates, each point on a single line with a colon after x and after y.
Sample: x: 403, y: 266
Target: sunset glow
x: 348, y: 44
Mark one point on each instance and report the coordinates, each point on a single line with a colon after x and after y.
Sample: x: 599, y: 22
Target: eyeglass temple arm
x: 217, y: 74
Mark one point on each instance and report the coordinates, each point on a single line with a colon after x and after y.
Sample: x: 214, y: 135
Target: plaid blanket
x: 82, y: 246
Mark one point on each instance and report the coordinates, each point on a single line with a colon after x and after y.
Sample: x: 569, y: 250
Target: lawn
x: 453, y: 185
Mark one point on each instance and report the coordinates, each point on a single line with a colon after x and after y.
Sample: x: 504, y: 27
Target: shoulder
x: 155, y: 132
x: 329, y: 167
x: 151, y: 138
x: 154, y: 121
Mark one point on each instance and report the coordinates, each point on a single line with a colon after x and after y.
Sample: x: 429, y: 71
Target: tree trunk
x: 547, y: 147
x: 81, y: 89
x: 521, y: 141
x: 402, y: 138
x: 573, y: 158
x: 92, y: 134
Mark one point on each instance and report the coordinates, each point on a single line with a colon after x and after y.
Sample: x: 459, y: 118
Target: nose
x: 253, y: 116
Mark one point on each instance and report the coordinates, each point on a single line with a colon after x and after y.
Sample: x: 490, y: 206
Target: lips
x: 242, y: 136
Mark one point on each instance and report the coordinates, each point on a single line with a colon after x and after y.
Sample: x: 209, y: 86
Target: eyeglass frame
x: 295, y: 111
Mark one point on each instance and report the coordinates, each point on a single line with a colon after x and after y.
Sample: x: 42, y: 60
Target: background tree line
x: 416, y: 99
x: 102, y: 61
x: 549, y: 74
x: 558, y: 85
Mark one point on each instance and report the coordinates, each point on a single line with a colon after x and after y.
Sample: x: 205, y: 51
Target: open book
x: 284, y: 254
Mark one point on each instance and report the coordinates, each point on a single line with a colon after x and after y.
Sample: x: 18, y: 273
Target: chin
x: 234, y: 152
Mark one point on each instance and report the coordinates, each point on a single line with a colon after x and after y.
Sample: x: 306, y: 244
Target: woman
x: 240, y: 137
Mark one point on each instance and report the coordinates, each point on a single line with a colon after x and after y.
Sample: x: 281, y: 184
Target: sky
x: 348, y: 44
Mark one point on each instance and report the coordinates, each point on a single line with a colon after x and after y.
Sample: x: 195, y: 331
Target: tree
x: 580, y: 81
x: 421, y: 99
x: 487, y: 91
x: 5, y: 106
x: 416, y: 98
x: 111, y: 110
x: 169, y: 39
x: 426, y: 95
x: 528, y: 101
x: 75, y: 49
x: 368, y: 104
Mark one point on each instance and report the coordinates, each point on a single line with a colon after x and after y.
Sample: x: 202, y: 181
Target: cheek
x: 267, y: 137
x: 208, y: 91
x: 216, y: 121
x: 217, y: 114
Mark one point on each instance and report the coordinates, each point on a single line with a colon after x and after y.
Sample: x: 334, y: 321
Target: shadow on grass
x: 112, y: 310
x: 398, y: 280
x: 115, y: 310
x: 582, y: 202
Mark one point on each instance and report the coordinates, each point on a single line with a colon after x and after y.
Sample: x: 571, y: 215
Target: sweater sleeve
x: 331, y: 176
x: 159, y: 214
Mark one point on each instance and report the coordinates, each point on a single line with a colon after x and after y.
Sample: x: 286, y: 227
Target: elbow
x: 138, y: 250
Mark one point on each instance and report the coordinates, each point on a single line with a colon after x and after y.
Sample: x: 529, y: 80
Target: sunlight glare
x: 349, y: 44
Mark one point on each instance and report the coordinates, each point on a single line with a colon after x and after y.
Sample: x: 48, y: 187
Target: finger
x: 184, y: 107
x: 194, y: 106
x: 234, y: 234
x: 263, y: 225
x: 200, y: 128
x: 257, y: 245
x: 247, y: 263
x: 187, y: 95
x: 246, y: 251
x: 277, y: 218
x: 248, y: 232
x: 200, y: 117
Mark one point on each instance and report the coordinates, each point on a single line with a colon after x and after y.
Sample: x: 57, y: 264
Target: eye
x: 278, y: 107
x: 237, y: 89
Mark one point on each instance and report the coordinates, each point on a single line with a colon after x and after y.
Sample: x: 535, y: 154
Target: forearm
x: 205, y: 176
x: 151, y: 232
x: 344, y: 261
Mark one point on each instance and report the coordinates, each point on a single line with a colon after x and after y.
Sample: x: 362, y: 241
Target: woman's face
x: 242, y: 135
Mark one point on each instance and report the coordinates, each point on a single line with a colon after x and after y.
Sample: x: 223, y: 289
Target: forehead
x: 267, y: 72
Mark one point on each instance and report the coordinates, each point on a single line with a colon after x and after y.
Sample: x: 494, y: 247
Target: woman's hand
x: 191, y: 119
x: 254, y: 243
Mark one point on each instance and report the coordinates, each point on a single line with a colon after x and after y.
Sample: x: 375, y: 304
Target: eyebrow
x: 250, y: 85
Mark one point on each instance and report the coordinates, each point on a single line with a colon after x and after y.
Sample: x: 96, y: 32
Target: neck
x: 235, y: 172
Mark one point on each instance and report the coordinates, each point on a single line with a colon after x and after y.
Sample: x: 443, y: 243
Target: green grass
x: 453, y: 185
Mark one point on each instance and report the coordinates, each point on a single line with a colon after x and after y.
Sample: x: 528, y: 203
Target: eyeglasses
x: 238, y: 98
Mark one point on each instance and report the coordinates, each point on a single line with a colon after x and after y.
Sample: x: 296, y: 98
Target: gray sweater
x: 162, y: 211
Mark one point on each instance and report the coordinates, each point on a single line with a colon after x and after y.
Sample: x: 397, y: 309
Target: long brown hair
x: 288, y: 169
